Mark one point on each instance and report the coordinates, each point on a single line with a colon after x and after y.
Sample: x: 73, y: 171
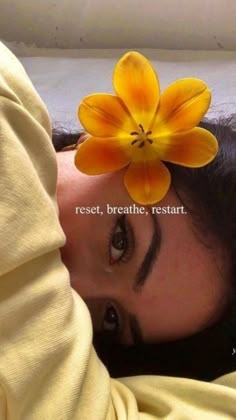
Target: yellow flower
x: 138, y: 128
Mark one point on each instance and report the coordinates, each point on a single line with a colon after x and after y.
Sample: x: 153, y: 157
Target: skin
x: 185, y: 290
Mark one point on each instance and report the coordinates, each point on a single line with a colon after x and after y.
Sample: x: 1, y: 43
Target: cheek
x: 188, y: 288
x: 190, y: 296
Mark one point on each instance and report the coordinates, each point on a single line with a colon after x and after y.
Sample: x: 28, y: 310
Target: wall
x: 171, y: 24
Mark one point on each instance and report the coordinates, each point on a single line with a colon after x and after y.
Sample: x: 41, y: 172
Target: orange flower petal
x: 147, y: 182
x: 194, y: 148
x: 136, y: 83
x: 182, y: 106
x: 104, y: 115
x: 98, y: 156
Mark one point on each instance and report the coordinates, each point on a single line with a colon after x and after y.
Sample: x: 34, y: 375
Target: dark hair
x: 209, y: 193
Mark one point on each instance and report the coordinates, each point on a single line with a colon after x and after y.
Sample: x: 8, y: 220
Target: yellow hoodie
x: 48, y: 367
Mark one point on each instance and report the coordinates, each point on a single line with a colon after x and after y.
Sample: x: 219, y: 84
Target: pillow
x: 64, y: 77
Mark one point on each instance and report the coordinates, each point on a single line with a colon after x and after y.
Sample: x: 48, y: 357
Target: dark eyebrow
x: 150, y: 256
x: 142, y: 274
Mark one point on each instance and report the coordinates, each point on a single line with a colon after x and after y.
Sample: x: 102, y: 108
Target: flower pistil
x: 142, y: 137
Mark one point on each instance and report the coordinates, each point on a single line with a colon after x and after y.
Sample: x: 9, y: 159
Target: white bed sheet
x: 63, y: 77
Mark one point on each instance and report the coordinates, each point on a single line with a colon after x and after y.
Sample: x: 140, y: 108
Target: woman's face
x: 143, y: 276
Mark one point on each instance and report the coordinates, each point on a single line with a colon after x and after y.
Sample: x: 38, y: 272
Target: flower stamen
x: 142, y: 137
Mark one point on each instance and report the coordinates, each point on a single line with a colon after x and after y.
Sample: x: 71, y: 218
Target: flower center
x: 142, y: 137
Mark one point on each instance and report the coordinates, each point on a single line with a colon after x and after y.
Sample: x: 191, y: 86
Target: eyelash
x: 127, y: 229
